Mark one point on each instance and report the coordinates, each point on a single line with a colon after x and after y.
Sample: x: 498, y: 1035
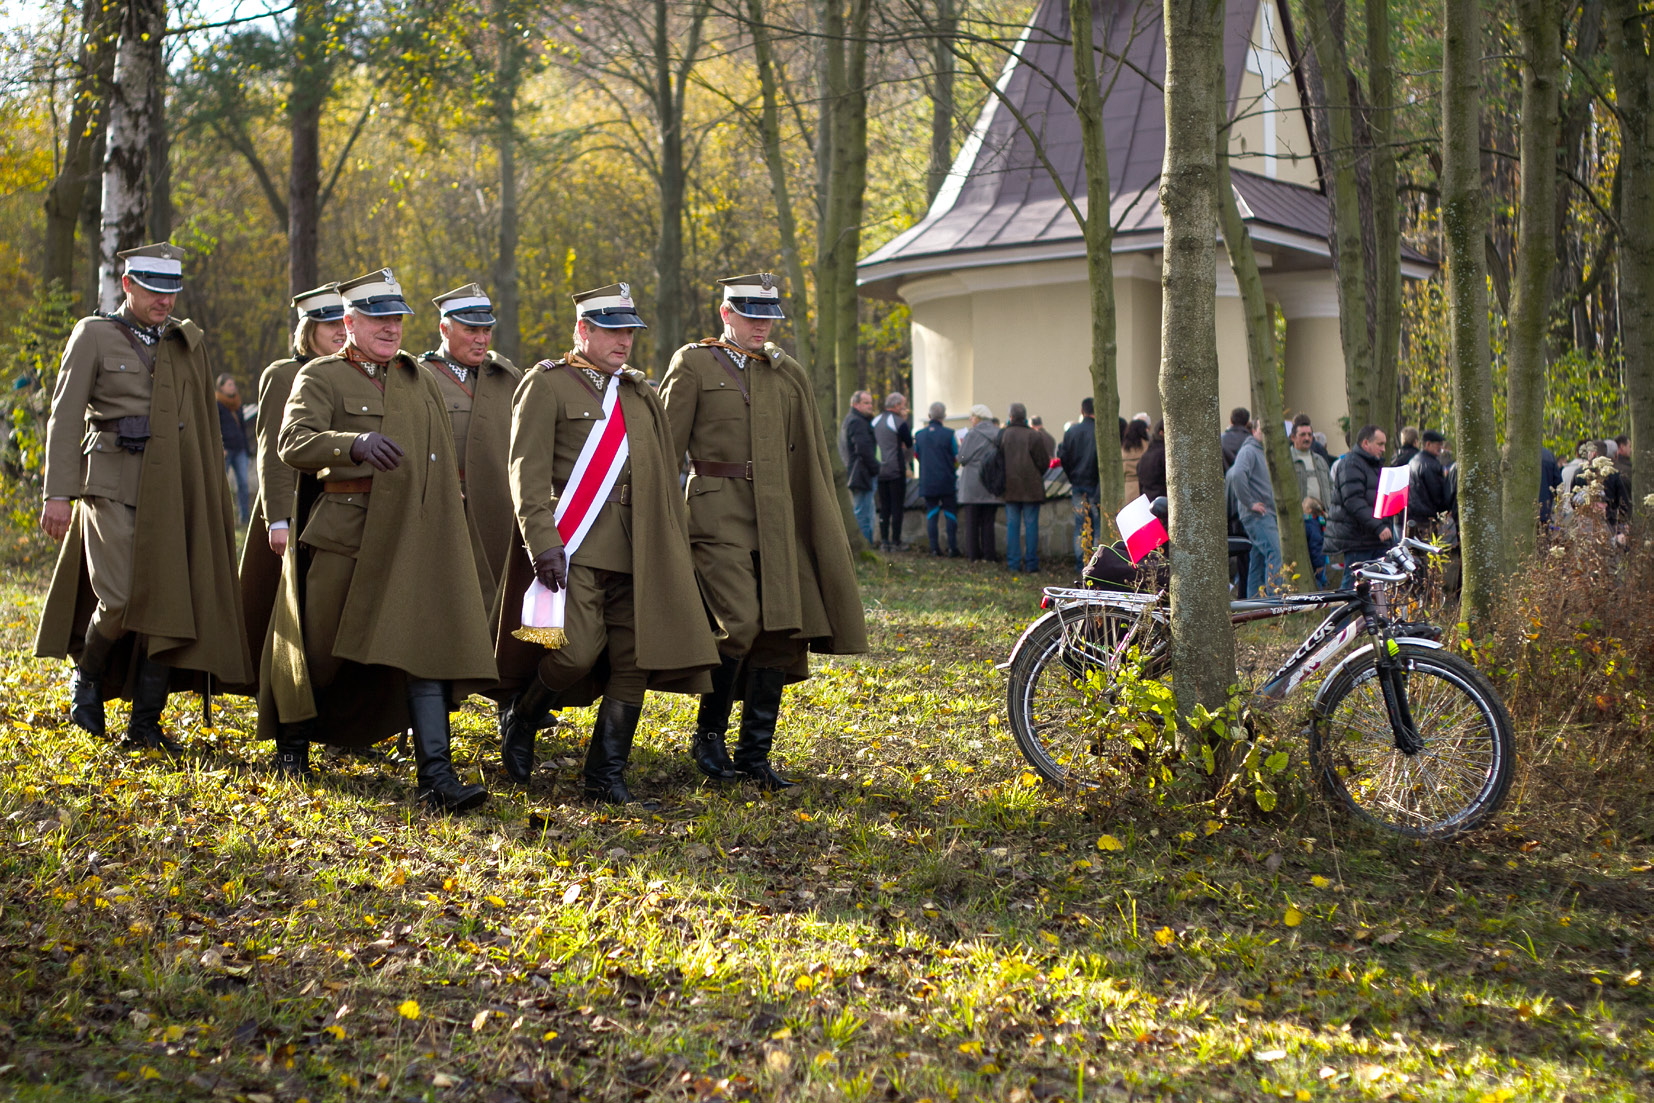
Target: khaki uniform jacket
x: 185, y: 603
x: 556, y: 409
x: 789, y: 511
x: 414, y: 604
x: 277, y: 485
x: 483, y: 448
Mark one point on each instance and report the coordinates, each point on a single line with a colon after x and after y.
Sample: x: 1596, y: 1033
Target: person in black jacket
x: 1151, y: 466
x: 894, y: 437
x: 1238, y: 433
x: 1078, y: 453
x: 1351, y: 527
x: 234, y: 432
x: 1429, y: 493
x: 861, y: 459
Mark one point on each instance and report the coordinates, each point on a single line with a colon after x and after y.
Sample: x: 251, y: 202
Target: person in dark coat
x: 1430, y: 494
x: 975, y: 501
x: 1616, y: 489
x: 1409, y: 446
x: 1078, y: 453
x: 1026, y: 458
x: 1351, y: 527
x: 1238, y: 433
x: 1550, y: 479
x: 895, y: 440
x: 937, y: 450
x: 234, y: 432
x: 860, y: 454
x: 1151, y: 465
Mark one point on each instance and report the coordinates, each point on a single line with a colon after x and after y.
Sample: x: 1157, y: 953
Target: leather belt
x: 349, y: 486
x: 720, y: 470
x: 620, y: 495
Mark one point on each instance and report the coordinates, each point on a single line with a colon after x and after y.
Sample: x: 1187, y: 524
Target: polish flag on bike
x: 1141, y: 528
x: 1392, y: 492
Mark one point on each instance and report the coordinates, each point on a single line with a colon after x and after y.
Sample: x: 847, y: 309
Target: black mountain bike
x: 1403, y: 734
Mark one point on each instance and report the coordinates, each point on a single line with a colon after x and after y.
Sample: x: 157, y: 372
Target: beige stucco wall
x: 1294, y: 160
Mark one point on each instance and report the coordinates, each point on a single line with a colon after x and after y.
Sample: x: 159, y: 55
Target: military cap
x: 323, y: 304
x: 158, y: 267
x: 609, y: 307
x: 376, y: 294
x: 468, y: 305
x: 754, y: 296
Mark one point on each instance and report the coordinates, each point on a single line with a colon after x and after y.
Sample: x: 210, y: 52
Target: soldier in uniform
x: 477, y: 384
x: 134, y: 455
x: 378, y: 622
x: 320, y: 332
x: 764, y: 524
x: 602, y: 523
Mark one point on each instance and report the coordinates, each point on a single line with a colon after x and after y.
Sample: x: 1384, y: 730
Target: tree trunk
x: 65, y: 196
x: 1267, y: 406
x: 1633, y: 74
x: 91, y: 217
x: 1386, y: 334
x: 829, y: 205
x: 1346, y: 216
x: 944, y: 66
x: 126, y: 154
x: 509, y: 58
x: 1203, y: 643
x: 850, y: 165
x: 309, y: 84
x: 1538, y: 23
x: 160, y: 157
x: 1465, y: 226
x: 668, y: 330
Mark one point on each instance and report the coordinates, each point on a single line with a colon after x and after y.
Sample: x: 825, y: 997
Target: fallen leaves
x: 408, y: 1009
x: 1109, y: 842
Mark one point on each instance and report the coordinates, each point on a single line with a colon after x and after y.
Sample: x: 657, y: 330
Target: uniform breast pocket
x: 584, y: 412
x: 362, y: 412
x: 122, y: 378
x: 101, y: 465
x: 721, y: 400
x: 336, y: 523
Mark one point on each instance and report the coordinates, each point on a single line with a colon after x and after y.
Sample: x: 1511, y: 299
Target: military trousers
x: 599, y: 617
x: 106, y: 530
x: 730, y: 577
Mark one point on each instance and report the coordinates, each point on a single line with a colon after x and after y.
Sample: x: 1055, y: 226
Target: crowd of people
x: 427, y: 527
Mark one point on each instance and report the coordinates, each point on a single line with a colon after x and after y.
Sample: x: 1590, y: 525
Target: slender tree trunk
x: 668, y: 321
x: 160, y: 157
x: 509, y: 57
x: 68, y: 189
x: 1203, y: 643
x: 850, y: 156
x: 1634, y: 95
x: 1267, y: 406
x: 1346, y: 215
x: 126, y: 155
x: 91, y: 219
x: 1464, y: 225
x: 1539, y: 24
x: 309, y: 84
x: 944, y: 67
x: 1099, y: 263
x: 1386, y: 336
x: 829, y: 204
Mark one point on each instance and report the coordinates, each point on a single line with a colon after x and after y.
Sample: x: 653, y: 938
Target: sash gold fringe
x: 550, y: 638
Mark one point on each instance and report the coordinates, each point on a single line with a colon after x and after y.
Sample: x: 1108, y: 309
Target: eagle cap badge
x: 625, y: 290
x: 767, y: 280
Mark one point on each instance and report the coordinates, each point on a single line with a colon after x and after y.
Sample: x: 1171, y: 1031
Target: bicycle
x: 1402, y: 733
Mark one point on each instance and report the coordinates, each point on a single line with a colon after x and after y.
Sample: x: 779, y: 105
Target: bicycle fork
x: 1392, y: 681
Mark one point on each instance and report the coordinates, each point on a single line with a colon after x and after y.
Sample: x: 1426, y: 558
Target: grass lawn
x: 919, y: 919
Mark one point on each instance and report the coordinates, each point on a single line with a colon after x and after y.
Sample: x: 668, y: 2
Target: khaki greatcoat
x: 277, y: 486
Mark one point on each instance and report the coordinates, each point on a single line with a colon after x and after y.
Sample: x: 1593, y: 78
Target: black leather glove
x: 376, y: 450
x: 551, y: 567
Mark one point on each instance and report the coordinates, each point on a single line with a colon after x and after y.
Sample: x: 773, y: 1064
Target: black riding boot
x: 149, y: 698
x: 438, y: 785
x: 86, y: 688
x: 293, y: 749
x: 610, y: 750
x: 758, y: 717
x: 712, y: 723
x: 519, y: 721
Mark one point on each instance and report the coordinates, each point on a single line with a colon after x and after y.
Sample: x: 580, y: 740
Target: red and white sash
x: 601, y: 460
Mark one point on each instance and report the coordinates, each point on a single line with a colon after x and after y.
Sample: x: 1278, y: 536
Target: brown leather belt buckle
x: 722, y: 470
x: 620, y: 495
x: 349, y: 486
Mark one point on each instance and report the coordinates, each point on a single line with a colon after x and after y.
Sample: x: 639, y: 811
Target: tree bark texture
x: 1203, y: 643
x: 309, y: 85
x: 1099, y: 263
x: 850, y: 164
x: 126, y: 153
x: 668, y: 319
x: 832, y: 88
x: 95, y: 66
x: 508, y: 61
x: 1386, y: 218
x: 1465, y: 228
x: 1634, y: 93
x: 943, y: 69
x: 1539, y: 26
x: 160, y: 157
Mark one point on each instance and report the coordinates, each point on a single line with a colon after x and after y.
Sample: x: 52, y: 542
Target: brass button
x: 335, y: 451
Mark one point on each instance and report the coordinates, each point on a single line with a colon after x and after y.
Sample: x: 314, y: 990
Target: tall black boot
x: 438, y: 785
x: 149, y: 698
x: 758, y: 717
x: 708, y: 751
x: 86, y: 687
x: 519, y: 721
x: 610, y: 750
x: 293, y: 749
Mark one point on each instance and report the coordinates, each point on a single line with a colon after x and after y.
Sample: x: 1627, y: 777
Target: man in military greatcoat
x: 477, y: 384
x: 379, y: 621
x: 601, y: 527
x: 764, y: 524
x: 320, y: 332
x: 144, y: 594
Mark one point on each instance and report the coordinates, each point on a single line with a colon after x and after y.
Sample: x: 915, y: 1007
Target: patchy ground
x: 920, y: 919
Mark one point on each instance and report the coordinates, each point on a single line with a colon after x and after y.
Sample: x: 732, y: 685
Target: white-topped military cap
x: 323, y: 304
x: 609, y: 307
x: 468, y: 305
x: 158, y: 267
x: 754, y: 296
x: 376, y: 294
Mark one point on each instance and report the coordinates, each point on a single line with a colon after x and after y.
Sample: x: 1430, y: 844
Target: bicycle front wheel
x: 1452, y: 785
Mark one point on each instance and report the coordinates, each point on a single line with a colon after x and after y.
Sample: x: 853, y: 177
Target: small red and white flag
x: 1392, y: 492
x: 1141, y: 528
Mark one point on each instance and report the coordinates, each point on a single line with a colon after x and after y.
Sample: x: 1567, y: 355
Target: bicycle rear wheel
x: 1051, y: 695
x: 1450, y: 787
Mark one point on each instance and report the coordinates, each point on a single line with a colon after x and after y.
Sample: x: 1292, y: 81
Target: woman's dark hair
x: 1136, y: 436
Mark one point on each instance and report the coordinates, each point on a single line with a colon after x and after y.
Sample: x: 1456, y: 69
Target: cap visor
x: 615, y: 321
x: 326, y: 314
x: 757, y: 309
x: 479, y: 318
x: 161, y: 285
x: 384, y: 309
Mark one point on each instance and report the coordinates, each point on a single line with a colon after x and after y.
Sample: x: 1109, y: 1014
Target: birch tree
x: 93, y: 70
x: 127, y: 141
